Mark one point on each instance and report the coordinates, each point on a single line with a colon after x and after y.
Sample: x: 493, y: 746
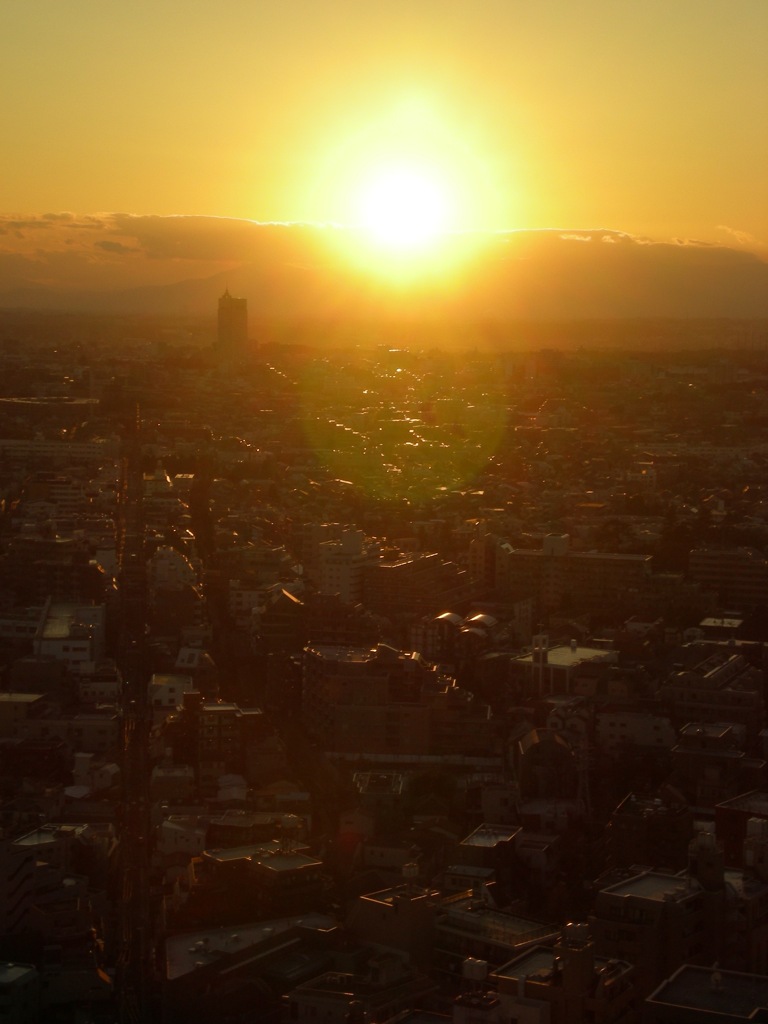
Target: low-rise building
x: 567, y: 983
x: 656, y: 920
x: 696, y: 994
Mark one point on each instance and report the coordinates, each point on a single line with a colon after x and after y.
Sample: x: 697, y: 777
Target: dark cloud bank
x: 180, y: 265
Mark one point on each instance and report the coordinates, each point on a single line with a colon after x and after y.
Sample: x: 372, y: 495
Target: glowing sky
x: 646, y: 116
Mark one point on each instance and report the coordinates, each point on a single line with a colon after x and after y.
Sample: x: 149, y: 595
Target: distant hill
x: 289, y: 273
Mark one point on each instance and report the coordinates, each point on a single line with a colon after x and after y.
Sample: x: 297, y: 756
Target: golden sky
x: 645, y: 116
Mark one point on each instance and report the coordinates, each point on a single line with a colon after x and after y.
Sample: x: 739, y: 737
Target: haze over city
x: 496, y: 160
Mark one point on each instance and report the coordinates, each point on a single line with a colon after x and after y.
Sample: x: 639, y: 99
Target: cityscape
x: 384, y: 512
x: 380, y: 684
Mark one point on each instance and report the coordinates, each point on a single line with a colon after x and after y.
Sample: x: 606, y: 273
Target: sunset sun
x: 402, y: 207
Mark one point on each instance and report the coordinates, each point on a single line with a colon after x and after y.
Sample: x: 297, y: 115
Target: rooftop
x: 651, y: 885
x: 565, y: 657
x: 490, y: 835
x: 755, y: 802
x: 730, y: 995
x: 468, y: 914
x: 11, y: 973
x: 184, y: 953
x: 541, y: 961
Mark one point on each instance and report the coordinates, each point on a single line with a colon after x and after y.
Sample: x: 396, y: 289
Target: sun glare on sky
x: 403, y: 207
x: 408, y: 182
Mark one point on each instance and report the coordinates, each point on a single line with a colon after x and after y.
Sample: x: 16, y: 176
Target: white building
x: 73, y: 634
x: 94, y: 774
x: 340, y: 566
x: 100, y: 683
x: 181, y: 834
x: 166, y: 690
x: 616, y: 729
x: 169, y: 569
x: 97, y: 731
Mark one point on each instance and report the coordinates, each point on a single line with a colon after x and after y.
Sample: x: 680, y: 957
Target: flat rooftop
x: 755, y: 802
x: 467, y: 914
x: 186, y: 952
x: 729, y: 995
x: 541, y: 959
x: 651, y: 885
x: 491, y: 835
x: 566, y: 656
x: 342, y: 653
x: 11, y: 973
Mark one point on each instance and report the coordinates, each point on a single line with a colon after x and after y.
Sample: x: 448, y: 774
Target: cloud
x: 116, y: 247
x: 290, y: 269
x: 189, y: 238
x: 742, y: 237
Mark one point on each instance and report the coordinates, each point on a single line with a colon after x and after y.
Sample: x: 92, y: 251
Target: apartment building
x: 738, y: 576
x: 555, y: 575
x: 567, y: 983
x: 658, y: 920
x: 722, y: 687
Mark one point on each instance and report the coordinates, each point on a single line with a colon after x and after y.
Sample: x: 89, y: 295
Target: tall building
x: 233, y: 324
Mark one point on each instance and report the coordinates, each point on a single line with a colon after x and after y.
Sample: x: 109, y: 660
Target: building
x: 654, y: 831
x: 548, y: 669
x: 268, y: 878
x: 490, y: 846
x: 415, y: 584
x: 739, y: 576
x: 709, y: 765
x: 701, y: 995
x: 20, y: 987
x: 215, y: 737
x: 74, y: 634
x: 566, y: 984
x: 618, y: 728
x: 723, y: 687
x: 558, y: 578
x: 341, y: 564
x: 17, y: 868
x: 96, y: 730
x: 165, y: 692
x: 398, y: 918
x: 381, y: 701
x: 468, y: 925
x: 735, y: 817
x: 232, y: 336
x: 548, y: 767
x: 219, y: 972
x: 18, y: 709
x: 385, y: 988
x: 657, y: 920
x: 342, y: 686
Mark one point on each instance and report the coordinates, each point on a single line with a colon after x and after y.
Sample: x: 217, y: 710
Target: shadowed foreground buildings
x: 475, y: 710
x: 700, y: 995
x: 383, y: 701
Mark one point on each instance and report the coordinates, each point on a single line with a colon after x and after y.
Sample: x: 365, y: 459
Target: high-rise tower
x: 233, y: 324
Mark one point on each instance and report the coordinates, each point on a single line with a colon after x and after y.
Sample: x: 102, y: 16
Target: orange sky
x: 646, y: 116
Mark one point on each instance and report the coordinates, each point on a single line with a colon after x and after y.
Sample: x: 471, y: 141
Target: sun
x: 403, y: 207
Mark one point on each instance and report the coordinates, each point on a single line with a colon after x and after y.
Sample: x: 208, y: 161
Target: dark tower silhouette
x: 233, y: 325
